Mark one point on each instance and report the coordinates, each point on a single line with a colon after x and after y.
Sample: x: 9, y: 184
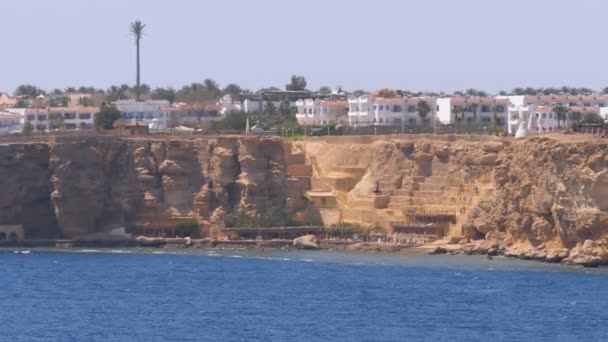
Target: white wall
x: 444, y: 114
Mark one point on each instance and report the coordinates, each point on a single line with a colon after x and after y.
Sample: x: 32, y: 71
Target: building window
x: 485, y: 109
x: 412, y: 122
x: 84, y: 116
x: 69, y: 116
x: 41, y: 117
x: 31, y: 117
x: 381, y: 107
x: 139, y: 116
x: 396, y: 109
x: 544, y: 115
x: 411, y: 109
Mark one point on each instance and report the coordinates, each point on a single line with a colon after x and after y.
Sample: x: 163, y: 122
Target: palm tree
x: 457, y: 111
x: 495, y: 110
x: 423, y: 109
x: 560, y: 112
x: 137, y: 29
x: 473, y: 107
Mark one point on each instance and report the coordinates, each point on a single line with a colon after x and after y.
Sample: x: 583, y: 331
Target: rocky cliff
x: 76, y: 186
x: 550, y: 197
x: 538, y: 198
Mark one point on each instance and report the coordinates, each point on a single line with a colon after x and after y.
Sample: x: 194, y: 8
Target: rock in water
x: 437, y: 250
x: 306, y: 242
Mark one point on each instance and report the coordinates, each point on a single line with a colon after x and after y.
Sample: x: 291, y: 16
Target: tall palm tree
x: 473, y: 107
x: 423, y: 109
x: 495, y: 110
x: 458, y: 110
x: 137, y: 30
x: 560, y: 112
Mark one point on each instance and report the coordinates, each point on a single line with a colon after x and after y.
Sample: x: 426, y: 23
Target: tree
x: 324, y: 90
x: 28, y: 129
x: 560, y: 113
x: 387, y: 93
x: 108, y: 113
x: 232, y: 89
x: 140, y: 90
x: 213, y: 87
x: 85, y: 101
x: 495, y: 110
x: 458, y: 110
x: 57, y: 121
x: 296, y: 83
x: 473, y: 107
x: 235, y: 120
x: 137, y: 30
x: 592, y: 118
x: 168, y: 94
x: 115, y: 93
x: 28, y: 90
x: 423, y: 109
x: 59, y: 101
x: 605, y: 91
x: 189, y: 228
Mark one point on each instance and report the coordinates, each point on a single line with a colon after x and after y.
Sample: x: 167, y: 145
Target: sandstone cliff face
x: 535, y: 198
x: 548, y: 195
x: 26, y: 188
x: 78, y: 186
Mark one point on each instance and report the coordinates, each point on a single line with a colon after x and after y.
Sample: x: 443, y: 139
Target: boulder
x: 306, y: 242
x: 437, y: 250
x: 556, y: 255
x: 588, y: 254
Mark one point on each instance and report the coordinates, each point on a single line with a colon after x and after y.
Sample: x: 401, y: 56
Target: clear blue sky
x: 419, y: 45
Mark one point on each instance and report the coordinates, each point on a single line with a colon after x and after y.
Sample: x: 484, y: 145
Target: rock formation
x: 534, y: 198
x: 74, y: 186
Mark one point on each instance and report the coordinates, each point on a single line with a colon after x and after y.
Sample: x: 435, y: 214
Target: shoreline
x: 160, y: 243
x: 171, y: 244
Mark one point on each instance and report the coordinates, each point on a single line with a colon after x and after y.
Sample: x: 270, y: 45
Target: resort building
x: 473, y: 111
x: 361, y: 110
x: 369, y: 110
x: 192, y: 116
x: 9, y: 122
x: 320, y: 112
x: 537, y: 111
x: 69, y: 118
x: 153, y: 113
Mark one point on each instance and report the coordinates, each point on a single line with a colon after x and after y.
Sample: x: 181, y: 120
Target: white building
x: 152, y: 113
x: 361, y: 110
x: 368, y: 110
x: 9, y: 122
x: 537, y: 111
x: 69, y: 118
x: 320, y: 112
x: 473, y: 111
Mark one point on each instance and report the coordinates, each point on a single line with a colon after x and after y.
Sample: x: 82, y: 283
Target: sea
x: 245, y: 295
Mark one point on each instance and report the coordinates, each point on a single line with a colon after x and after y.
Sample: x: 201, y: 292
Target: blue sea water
x: 295, y: 296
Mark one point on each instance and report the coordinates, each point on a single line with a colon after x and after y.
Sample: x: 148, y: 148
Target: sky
x: 432, y: 45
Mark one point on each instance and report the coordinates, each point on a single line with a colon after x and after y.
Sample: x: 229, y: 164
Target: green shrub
x: 189, y: 228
